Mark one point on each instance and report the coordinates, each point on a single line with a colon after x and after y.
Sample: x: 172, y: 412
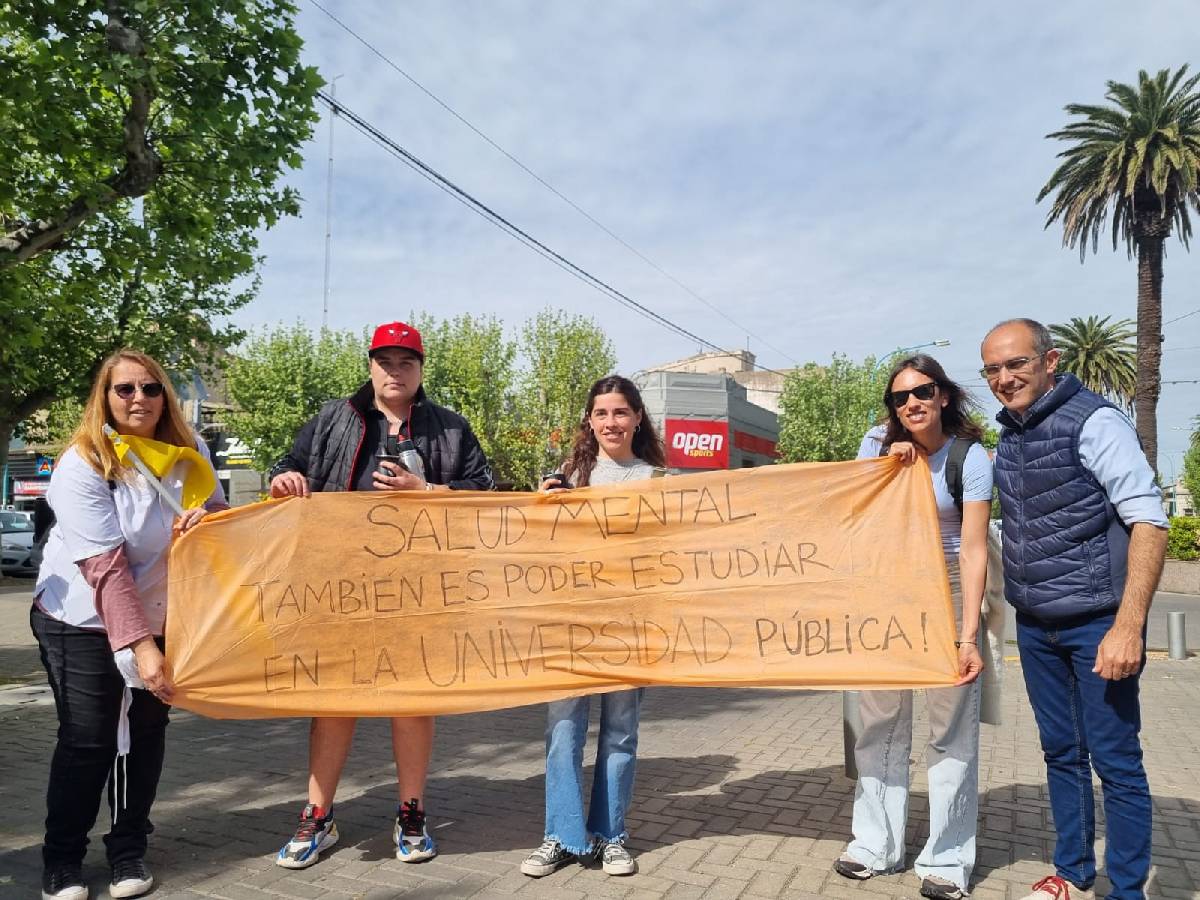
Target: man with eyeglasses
x: 1084, y: 541
x: 356, y: 444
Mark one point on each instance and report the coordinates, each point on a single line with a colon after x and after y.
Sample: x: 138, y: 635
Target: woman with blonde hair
x: 101, y: 597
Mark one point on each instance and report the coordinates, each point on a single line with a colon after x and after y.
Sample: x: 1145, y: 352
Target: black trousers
x: 87, y: 693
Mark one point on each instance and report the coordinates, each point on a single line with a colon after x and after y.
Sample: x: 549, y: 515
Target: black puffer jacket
x: 326, y: 448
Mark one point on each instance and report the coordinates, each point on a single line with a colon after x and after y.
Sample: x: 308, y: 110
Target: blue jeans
x: 1087, y: 722
x: 612, y: 782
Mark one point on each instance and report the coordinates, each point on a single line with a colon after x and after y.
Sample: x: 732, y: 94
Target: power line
x: 1184, y: 316
x: 540, y: 180
x: 441, y: 181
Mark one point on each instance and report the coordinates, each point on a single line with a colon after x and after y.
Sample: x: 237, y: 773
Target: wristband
x: 960, y: 643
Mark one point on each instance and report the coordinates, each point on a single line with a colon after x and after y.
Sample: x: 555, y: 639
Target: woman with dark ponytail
x: 616, y: 442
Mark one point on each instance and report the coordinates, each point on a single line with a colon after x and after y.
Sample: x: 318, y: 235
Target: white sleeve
x: 83, y: 505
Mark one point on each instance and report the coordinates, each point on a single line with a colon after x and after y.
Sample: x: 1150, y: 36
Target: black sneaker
x: 413, y: 843
x: 315, y: 833
x: 849, y: 867
x: 936, y: 888
x: 130, y: 878
x: 64, y: 883
x: 546, y: 858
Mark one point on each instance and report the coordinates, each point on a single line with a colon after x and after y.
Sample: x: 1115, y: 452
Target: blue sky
x: 853, y: 177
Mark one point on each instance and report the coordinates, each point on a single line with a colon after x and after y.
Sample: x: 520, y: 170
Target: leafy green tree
x: 145, y: 144
x: 826, y: 410
x: 470, y: 366
x: 53, y: 426
x: 1191, y: 468
x: 991, y: 434
x: 1139, y: 158
x: 279, y: 379
x: 525, y: 416
x: 1101, y: 355
x: 563, y: 355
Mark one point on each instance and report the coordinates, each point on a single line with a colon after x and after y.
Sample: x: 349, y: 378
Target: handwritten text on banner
x: 817, y: 575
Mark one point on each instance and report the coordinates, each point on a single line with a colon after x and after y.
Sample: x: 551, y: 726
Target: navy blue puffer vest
x: 1057, y: 560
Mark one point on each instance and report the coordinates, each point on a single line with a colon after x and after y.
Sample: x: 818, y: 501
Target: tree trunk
x: 6, y: 430
x: 1149, y: 345
x: 14, y: 415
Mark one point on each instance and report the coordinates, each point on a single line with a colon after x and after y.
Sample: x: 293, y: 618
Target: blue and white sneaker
x: 316, y: 832
x: 413, y: 843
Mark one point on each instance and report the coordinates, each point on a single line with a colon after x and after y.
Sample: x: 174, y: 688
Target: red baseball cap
x: 397, y: 334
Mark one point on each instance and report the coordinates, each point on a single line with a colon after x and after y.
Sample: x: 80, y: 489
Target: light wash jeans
x: 952, y: 757
x: 612, y: 783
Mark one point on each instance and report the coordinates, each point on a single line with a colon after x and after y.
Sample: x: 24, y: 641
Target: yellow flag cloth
x: 160, y: 458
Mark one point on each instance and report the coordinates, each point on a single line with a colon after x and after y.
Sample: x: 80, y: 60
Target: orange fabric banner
x: 822, y: 575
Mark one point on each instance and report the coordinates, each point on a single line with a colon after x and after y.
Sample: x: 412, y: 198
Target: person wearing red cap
x: 339, y: 449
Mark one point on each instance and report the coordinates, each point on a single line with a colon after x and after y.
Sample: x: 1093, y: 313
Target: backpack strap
x: 954, y: 469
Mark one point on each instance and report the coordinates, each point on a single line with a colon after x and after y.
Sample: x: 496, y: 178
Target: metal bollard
x: 851, y: 729
x: 1176, y: 636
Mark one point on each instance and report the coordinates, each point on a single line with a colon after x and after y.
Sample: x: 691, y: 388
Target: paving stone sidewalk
x: 740, y: 794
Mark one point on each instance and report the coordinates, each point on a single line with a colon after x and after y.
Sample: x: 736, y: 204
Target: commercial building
x: 707, y: 422
x: 763, y: 386
x: 25, y: 477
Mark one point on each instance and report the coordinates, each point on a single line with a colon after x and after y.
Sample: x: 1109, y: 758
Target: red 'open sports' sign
x: 697, y: 444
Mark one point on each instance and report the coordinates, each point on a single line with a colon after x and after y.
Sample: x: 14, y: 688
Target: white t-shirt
x: 93, y: 518
x: 976, y: 480
x: 609, y: 471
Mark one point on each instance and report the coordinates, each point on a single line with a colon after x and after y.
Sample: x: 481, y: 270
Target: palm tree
x: 1100, y: 355
x: 1141, y: 155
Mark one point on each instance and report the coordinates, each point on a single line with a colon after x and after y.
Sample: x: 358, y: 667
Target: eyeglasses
x: 896, y: 399
x: 1014, y: 365
x: 125, y: 390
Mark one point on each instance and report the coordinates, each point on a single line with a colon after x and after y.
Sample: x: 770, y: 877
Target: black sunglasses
x: 125, y: 390
x: 896, y: 399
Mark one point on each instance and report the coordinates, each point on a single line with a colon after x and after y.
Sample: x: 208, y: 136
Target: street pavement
x: 739, y: 794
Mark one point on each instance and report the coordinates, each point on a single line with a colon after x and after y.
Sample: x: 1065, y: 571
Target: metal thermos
x: 410, y: 458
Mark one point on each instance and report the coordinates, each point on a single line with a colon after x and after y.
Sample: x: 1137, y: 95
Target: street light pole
x: 333, y: 112
x: 943, y: 342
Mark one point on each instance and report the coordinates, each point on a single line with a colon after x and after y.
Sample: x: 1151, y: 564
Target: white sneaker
x: 413, y: 842
x: 316, y: 832
x: 616, y: 859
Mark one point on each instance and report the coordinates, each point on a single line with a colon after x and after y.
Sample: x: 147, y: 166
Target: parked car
x: 14, y: 519
x: 16, y: 544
